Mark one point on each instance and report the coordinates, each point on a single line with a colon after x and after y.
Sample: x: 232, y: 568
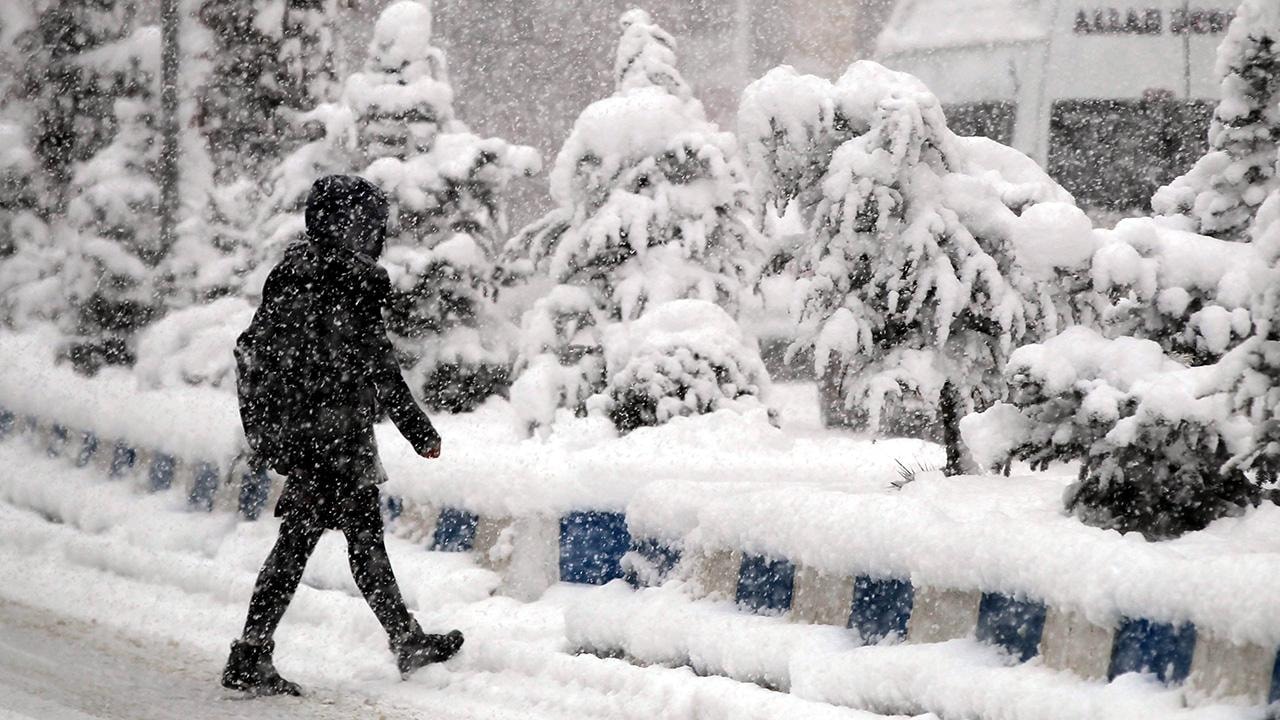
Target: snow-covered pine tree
x: 921, y: 281
x: 653, y: 206
x: 272, y: 67
x: 446, y: 187
x: 17, y: 194
x: 1251, y: 372
x: 109, y: 273
x: 1221, y: 193
x: 28, y: 256
x: 72, y: 98
x: 237, y: 114
x: 307, y: 68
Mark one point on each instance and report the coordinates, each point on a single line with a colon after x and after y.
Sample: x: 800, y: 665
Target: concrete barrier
x: 531, y: 553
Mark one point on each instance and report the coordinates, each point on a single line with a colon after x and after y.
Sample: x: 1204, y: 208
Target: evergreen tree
x: 307, y: 68
x: 652, y: 206
x: 72, y: 98
x: 237, y: 114
x: 272, y: 67
x: 445, y: 185
x: 1251, y: 373
x: 109, y: 272
x: 920, y: 284
x: 1221, y: 193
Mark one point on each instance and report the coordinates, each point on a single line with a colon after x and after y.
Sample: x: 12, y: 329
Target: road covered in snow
x: 119, y: 605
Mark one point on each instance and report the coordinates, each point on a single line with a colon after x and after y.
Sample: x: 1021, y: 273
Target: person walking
x: 314, y: 371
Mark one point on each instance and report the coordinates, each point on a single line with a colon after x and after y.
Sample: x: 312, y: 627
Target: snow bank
x: 196, y: 423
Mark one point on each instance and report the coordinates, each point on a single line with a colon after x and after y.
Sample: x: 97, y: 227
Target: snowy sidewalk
x: 116, y: 605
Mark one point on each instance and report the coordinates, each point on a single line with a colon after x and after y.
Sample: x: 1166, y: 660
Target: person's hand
x: 433, y: 452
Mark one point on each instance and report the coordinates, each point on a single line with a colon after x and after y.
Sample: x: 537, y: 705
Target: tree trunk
x: 949, y: 409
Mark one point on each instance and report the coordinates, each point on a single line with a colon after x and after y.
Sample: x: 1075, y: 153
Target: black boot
x: 249, y: 669
x: 416, y: 649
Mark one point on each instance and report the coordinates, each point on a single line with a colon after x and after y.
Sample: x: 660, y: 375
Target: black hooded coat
x: 316, y: 366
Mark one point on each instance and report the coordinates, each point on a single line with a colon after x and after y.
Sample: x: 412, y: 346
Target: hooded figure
x: 315, y: 370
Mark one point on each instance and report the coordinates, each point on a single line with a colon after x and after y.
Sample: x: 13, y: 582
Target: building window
x: 1114, y: 154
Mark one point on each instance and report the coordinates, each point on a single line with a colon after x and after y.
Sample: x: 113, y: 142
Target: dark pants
x: 360, y: 520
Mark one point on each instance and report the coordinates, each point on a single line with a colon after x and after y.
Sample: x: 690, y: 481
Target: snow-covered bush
x: 1222, y: 192
x: 1152, y: 436
x: 446, y: 186
x: 921, y: 281
x: 683, y: 357
x: 653, y: 206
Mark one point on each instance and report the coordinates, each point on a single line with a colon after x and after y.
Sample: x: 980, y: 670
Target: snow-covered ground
x: 116, y: 605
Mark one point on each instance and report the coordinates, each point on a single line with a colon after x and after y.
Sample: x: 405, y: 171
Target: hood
x: 349, y: 213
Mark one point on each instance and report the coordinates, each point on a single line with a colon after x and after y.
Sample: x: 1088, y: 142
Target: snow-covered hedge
x: 684, y: 357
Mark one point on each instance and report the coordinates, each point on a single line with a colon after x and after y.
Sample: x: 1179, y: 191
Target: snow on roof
x: 921, y: 25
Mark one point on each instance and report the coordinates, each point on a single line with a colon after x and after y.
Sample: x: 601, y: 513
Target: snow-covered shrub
x: 683, y: 357
x: 1221, y: 193
x: 921, y: 281
x: 446, y: 186
x: 193, y: 346
x: 1152, y: 436
x: 653, y: 206
x: 1190, y: 293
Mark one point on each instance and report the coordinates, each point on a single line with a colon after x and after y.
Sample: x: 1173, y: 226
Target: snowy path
x: 118, y: 605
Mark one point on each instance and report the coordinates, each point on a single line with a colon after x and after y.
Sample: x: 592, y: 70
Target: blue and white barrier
x: 595, y: 547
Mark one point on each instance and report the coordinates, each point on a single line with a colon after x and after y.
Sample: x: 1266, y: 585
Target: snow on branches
x: 652, y: 201
x: 1221, y: 193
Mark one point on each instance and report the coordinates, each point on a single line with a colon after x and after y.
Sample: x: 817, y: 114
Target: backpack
x: 261, y: 407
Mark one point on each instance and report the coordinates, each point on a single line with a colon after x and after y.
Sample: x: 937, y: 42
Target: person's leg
x: 250, y: 667
x: 279, y: 577
x: 371, y: 566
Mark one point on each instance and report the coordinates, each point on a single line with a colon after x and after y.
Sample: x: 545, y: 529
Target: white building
x: 1112, y: 96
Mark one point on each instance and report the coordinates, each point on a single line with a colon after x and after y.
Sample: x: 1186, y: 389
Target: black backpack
x: 261, y: 408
